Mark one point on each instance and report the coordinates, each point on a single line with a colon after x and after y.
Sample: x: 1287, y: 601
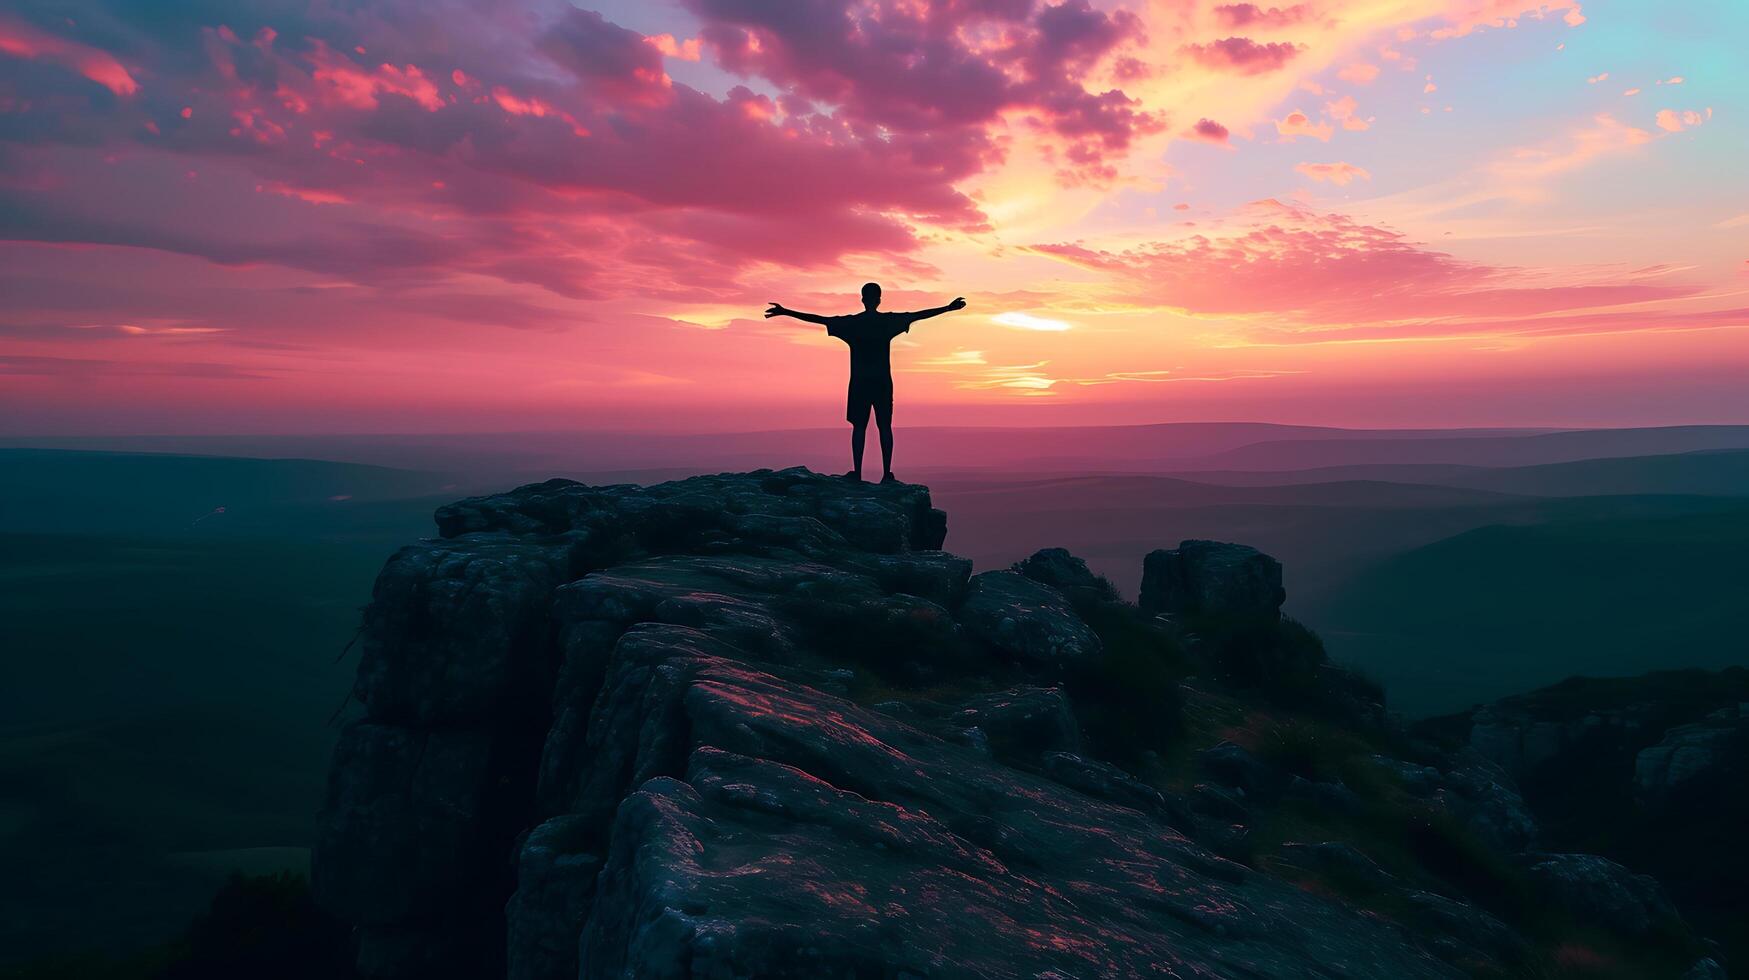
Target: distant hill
x: 96, y: 492
x: 1717, y: 472
x: 1163, y: 491
x: 1325, y: 533
x: 1486, y: 450
x: 1722, y: 472
x: 1038, y: 449
x: 1504, y: 608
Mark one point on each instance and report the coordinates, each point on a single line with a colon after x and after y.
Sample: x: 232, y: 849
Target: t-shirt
x: 868, y: 334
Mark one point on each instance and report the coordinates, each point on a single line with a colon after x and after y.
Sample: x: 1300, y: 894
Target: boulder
x: 1027, y: 622
x: 1062, y: 571
x: 1023, y: 723
x: 1599, y: 890
x: 1484, y: 798
x: 1213, y: 580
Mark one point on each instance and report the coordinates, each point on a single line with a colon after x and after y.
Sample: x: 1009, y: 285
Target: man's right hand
x: 775, y: 310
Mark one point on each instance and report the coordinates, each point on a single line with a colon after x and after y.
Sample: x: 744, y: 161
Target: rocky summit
x: 760, y: 725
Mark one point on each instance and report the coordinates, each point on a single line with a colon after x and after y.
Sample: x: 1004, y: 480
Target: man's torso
x: 869, y: 335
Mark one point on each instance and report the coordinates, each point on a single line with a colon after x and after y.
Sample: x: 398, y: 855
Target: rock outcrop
x: 1712, y: 750
x: 1212, y: 579
x: 759, y: 725
x: 1648, y: 772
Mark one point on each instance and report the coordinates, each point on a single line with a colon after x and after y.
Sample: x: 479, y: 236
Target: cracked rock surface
x: 630, y: 732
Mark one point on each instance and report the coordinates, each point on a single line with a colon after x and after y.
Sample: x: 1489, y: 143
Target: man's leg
x: 884, y: 419
x: 858, y: 437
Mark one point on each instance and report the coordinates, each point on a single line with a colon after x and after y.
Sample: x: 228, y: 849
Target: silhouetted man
x: 871, y: 370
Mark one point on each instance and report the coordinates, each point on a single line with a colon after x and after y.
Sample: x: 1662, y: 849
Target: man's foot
x: 855, y: 475
x: 889, y: 478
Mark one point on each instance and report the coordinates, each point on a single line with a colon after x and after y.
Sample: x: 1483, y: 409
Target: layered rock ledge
x: 759, y: 725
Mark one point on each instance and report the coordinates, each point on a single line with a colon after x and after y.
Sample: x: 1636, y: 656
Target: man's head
x: 871, y: 295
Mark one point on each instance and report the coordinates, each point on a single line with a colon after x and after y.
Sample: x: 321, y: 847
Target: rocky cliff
x: 1647, y: 770
x: 759, y: 725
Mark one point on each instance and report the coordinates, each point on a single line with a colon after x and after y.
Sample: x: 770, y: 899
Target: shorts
x: 863, y: 397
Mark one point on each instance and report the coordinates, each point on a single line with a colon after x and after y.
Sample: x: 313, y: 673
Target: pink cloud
x: 943, y: 74
x: 1468, y: 16
x: 20, y: 40
x: 1208, y: 131
x: 1359, y: 73
x: 1325, y: 268
x: 563, y: 157
x: 341, y: 81
x: 1243, y: 55
x: 1338, y: 173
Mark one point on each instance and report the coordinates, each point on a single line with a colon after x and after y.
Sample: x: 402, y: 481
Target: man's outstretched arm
x: 778, y: 310
x: 958, y: 304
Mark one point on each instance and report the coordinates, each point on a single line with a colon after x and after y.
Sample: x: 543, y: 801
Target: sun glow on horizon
x: 1026, y: 321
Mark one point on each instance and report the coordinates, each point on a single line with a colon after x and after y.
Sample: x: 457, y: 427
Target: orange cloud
x: 1343, y: 111
x: 1234, y: 15
x: 1675, y: 122
x: 1337, y: 173
x: 1297, y: 123
x: 687, y: 50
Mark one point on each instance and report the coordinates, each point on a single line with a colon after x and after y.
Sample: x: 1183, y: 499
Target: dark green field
x: 166, y: 693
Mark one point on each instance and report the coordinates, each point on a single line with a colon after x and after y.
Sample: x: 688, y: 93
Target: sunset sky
x: 418, y: 215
